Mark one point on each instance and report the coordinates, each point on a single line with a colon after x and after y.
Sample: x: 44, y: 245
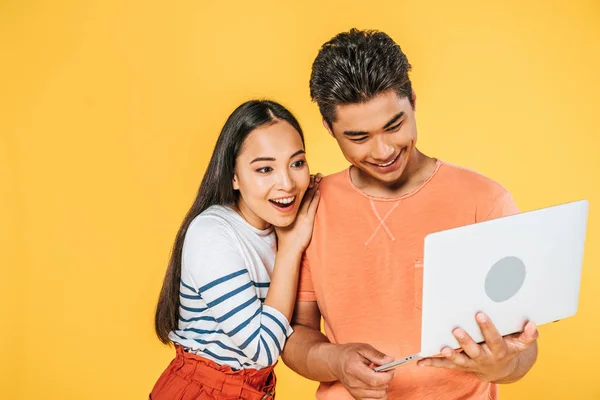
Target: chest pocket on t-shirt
x: 418, y: 283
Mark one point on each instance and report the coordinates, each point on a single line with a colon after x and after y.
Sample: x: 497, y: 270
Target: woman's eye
x: 264, y: 170
x: 298, y: 164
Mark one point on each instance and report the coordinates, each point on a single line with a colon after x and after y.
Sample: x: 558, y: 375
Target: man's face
x: 377, y: 137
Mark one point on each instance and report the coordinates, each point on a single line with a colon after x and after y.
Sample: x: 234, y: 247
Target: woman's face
x: 271, y: 175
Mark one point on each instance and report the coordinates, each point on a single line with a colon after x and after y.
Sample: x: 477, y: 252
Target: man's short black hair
x: 356, y: 66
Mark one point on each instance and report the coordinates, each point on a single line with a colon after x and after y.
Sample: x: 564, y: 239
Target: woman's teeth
x: 284, y: 201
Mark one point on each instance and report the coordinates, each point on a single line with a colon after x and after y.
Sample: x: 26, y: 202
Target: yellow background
x: 109, y: 111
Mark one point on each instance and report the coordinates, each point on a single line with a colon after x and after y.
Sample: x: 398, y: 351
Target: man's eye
x: 395, y: 127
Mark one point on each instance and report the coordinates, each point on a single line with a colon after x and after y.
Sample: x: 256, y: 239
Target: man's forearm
x: 307, y: 352
x: 525, y: 361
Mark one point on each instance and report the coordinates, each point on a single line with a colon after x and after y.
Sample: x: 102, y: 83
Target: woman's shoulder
x: 212, y: 223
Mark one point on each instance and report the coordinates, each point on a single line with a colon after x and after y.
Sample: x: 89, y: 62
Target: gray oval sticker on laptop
x: 505, y: 278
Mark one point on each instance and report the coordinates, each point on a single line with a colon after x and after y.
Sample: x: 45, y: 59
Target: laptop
x: 524, y: 267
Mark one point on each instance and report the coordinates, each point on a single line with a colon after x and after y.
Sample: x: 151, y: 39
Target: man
x: 363, y: 269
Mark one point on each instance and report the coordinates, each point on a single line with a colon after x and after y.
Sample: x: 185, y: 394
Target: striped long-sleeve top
x: 225, y: 276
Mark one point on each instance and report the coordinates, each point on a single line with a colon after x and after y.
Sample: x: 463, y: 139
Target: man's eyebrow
x: 355, y: 133
x: 394, y: 120
x: 386, y: 126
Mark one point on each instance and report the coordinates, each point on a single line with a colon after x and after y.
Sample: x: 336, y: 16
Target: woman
x: 230, y: 286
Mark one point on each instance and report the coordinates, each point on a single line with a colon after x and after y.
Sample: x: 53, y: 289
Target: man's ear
x: 326, y: 125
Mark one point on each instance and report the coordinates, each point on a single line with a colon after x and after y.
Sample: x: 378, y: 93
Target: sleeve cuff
x: 281, y: 320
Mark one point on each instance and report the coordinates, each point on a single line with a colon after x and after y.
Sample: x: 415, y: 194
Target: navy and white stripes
x: 225, y: 277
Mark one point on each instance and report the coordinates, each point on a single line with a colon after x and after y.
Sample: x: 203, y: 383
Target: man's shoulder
x: 335, y: 183
x: 465, y: 179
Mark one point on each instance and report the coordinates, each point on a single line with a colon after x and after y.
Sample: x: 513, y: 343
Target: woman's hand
x: 296, y: 236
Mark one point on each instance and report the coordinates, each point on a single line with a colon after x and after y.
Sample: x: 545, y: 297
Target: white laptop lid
x: 517, y: 268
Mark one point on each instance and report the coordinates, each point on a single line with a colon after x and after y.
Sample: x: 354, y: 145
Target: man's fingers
x: 373, y: 379
x: 449, y: 359
x: 359, y: 376
x: 522, y: 341
x: 363, y: 372
x: 493, y: 339
x: 437, y: 362
x: 530, y: 333
x: 374, y: 355
x: 470, y: 348
x: 461, y: 360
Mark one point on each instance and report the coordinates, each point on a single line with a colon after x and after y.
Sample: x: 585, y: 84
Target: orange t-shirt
x: 364, y: 268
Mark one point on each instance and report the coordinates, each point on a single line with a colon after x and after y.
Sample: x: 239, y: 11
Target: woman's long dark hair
x: 216, y: 188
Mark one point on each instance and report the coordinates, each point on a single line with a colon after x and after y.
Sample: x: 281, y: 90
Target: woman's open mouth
x: 283, y: 204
